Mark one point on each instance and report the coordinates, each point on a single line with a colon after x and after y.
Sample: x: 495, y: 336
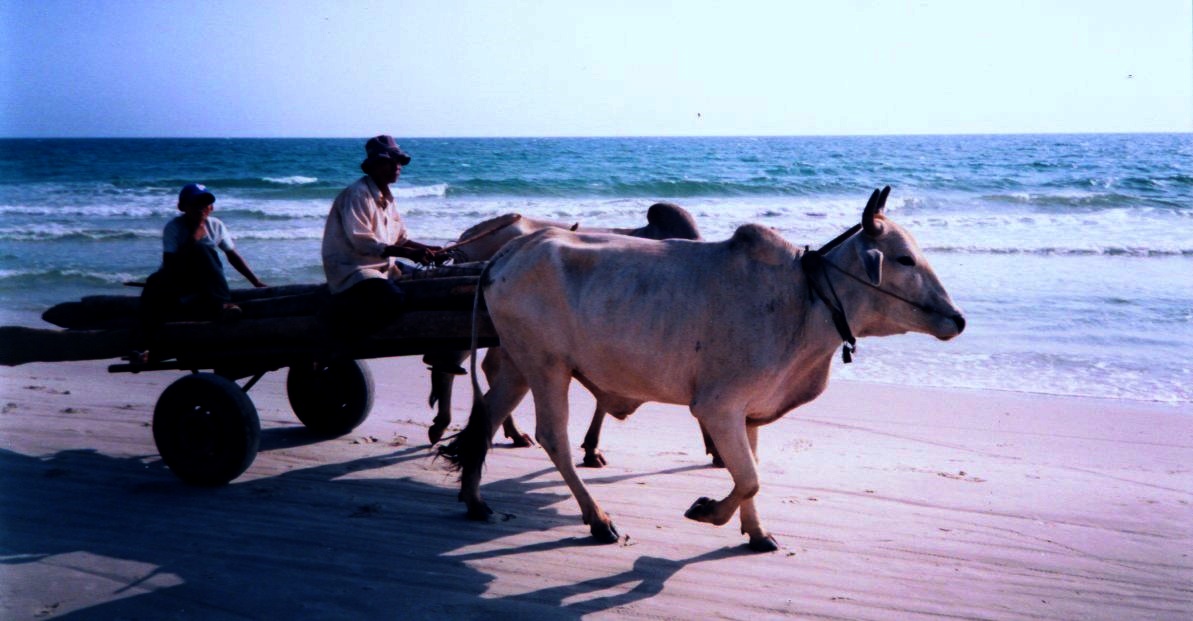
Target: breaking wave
x: 23, y: 278
x: 291, y: 180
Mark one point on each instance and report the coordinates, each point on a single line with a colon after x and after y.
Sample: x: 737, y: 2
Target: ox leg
x: 502, y: 374
x: 710, y: 448
x: 551, y: 418
x: 501, y: 398
x: 441, y: 396
x: 593, y: 458
x: 519, y: 438
x: 441, y: 390
x: 732, y: 438
x: 751, y: 525
x: 468, y: 450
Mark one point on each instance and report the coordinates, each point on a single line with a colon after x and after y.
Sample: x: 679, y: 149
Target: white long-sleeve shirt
x: 362, y: 222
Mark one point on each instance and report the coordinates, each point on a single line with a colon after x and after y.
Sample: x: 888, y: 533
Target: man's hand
x: 423, y: 255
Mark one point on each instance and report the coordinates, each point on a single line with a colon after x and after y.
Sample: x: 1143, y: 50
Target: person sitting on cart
x: 361, y: 239
x: 190, y: 284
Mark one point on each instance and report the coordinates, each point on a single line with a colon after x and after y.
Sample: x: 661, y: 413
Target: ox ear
x: 872, y: 260
x: 871, y: 223
x: 761, y: 244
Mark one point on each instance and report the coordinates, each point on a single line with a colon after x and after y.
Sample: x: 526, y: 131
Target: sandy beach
x: 888, y: 502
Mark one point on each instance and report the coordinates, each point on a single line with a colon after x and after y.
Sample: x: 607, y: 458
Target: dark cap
x: 383, y: 147
x: 193, y: 193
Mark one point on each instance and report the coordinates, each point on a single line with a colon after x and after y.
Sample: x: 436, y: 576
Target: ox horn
x: 874, y: 207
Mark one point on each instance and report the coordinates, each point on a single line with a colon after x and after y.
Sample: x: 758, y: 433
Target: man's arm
x: 417, y: 252
x: 241, y: 266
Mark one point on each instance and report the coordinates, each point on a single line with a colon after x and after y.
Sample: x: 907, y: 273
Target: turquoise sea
x: 1071, y: 254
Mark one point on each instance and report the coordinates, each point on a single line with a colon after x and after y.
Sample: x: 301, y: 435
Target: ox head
x: 904, y: 295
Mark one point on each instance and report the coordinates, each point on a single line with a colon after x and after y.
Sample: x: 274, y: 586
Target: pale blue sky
x: 608, y: 67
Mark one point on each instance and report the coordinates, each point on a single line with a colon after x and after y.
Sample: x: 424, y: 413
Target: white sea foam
x: 85, y: 211
x: 297, y: 209
x: 933, y: 365
x: 56, y: 276
x: 293, y: 233
x: 55, y: 232
x: 291, y: 180
x: 425, y: 191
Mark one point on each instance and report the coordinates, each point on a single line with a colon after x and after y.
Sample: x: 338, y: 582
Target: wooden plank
x: 122, y: 311
x: 414, y: 332
x: 20, y: 345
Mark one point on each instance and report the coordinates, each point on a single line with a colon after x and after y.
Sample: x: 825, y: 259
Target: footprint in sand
x: 797, y: 445
x: 961, y: 476
x: 52, y: 391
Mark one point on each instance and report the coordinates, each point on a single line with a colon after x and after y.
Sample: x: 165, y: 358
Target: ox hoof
x: 701, y: 510
x: 521, y: 440
x: 480, y: 512
x: 764, y: 544
x: 435, y: 433
x: 594, y: 459
x: 605, y: 533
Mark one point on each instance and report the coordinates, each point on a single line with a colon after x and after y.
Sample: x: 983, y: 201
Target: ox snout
x: 950, y: 325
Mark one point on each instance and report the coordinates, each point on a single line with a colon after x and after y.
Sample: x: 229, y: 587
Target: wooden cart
x: 205, y: 425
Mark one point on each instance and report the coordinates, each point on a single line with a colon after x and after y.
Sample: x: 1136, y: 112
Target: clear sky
x: 580, y: 68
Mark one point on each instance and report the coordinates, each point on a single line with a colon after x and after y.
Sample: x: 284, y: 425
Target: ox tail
x: 466, y: 451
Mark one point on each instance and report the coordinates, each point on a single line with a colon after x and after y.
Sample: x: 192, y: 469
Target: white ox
x: 508, y: 387
x: 737, y: 330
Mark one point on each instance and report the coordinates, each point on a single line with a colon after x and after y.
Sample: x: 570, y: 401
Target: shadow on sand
x: 314, y: 542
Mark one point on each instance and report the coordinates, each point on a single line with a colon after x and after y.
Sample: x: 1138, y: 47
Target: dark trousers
x: 365, y: 308
x: 189, y: 286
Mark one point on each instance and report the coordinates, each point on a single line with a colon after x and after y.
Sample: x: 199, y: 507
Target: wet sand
x: 888, y: 503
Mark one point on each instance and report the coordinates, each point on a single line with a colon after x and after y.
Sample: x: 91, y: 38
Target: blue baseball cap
x: 192, y: 193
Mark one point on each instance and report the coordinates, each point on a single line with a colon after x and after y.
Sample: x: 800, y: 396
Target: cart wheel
x: 330, y: 399
x: 206, y: 429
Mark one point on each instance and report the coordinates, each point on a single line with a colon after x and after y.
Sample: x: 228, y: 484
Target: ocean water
x: 1071, y: 254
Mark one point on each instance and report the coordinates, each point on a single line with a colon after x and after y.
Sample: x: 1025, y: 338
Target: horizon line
x: 610, y: 136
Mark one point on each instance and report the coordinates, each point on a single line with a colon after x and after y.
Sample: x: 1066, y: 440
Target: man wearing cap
x: 361, y: 238
x: 190, y: 283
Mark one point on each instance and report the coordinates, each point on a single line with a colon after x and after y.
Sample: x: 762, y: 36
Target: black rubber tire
x: 331, y: 399
x: 206, y: 429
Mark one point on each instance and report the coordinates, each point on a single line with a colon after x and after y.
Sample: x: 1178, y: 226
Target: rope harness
x: 813, y: 262
x: 457, y: 256
x: 453, y: 251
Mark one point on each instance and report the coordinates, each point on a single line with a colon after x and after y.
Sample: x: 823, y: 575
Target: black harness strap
x: 812, y: 262
x: 875, y: 287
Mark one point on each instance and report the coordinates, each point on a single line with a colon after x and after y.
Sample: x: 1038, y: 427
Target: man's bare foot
x: 230, y: 312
